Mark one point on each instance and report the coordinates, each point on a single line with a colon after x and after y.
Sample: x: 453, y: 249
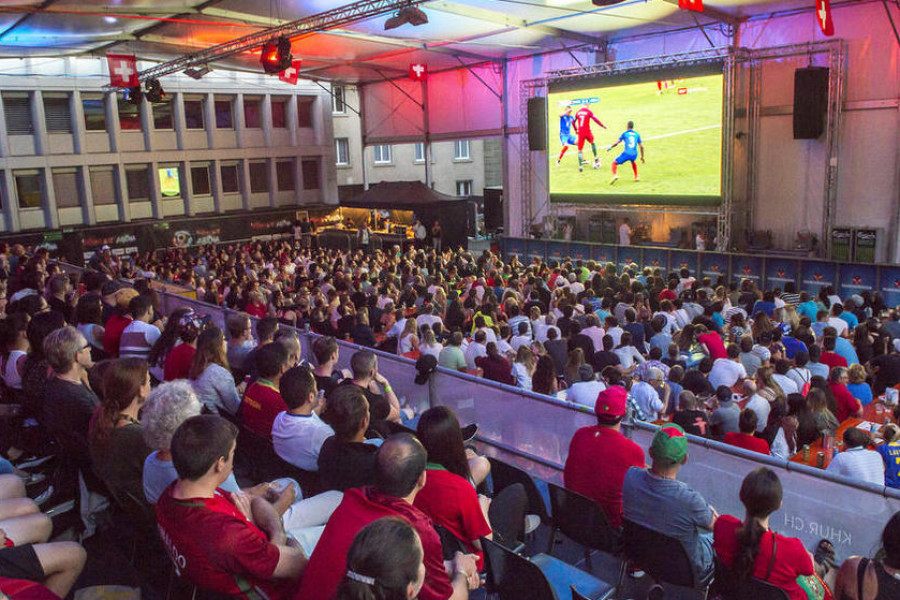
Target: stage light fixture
x: 133, y: 95
x: 276, y: 55
x: 197, y: 73
x: 411, y: 15
x: 154, y: 91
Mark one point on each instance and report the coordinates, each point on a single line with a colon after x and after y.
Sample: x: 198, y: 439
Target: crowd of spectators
x: 152, y: 404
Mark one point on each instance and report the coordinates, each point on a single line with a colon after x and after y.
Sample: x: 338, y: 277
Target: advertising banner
x: 747, y: 267
x: 628, y: 255
x: 535, y: 249
x: 658, y: 258
x: 557, y: 251
x: 580, y: 251
x: 714, y: 265
x: 514, y: 247
x: 856, y: 278
x: 685, y: 259
x: 604, y: 253
x: 889, y: 285
x: 780, y: 271
x: 817, y: 274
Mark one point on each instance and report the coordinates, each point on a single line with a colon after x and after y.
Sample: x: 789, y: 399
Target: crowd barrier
x: 534, y: 432
x: 766, y: 270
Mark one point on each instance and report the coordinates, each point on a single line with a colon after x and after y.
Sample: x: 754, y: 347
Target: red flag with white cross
x: 418, y: 72
x: 122, y: 70
x: 291, y: 74
x: 823, y: 17
x: 695, y: 5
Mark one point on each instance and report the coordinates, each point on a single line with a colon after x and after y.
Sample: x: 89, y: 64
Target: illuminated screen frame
x: 615, y: 80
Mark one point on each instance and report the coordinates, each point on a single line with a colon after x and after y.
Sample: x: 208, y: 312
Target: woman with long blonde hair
x: 409, y: 337
x: 524, y: 366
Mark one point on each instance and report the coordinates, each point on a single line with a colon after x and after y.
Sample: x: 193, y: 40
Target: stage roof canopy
x: 458, y: 31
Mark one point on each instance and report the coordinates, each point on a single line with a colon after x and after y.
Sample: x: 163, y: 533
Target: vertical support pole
x: 426, y: 123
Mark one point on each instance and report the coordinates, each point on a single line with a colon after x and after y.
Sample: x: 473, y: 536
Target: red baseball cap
x: 611, y: 402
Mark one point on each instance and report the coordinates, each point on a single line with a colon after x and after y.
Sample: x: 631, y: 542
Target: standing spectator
x: 599, y: 455
x: 857, y: 461
x: 436, y: 234
x: 744, y: 438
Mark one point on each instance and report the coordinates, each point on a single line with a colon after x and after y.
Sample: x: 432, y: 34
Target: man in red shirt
x: 400, y: 475
x: 262, y: 401
x: 744, y: 438
x: 829, y: 356
x: 232, y: 544
x: 847, y: 405
x: 116, y: 324
x: 600, y: 455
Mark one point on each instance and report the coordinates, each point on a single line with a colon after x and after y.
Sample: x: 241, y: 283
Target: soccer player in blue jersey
x: 632, y: 140
x: 566, y: 137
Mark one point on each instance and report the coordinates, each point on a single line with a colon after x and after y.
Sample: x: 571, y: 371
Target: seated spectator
x: 599, y: 456
x: 726, y: 417
x: 177, y: 361
x: 400, y: 475
x: 362, y: 332
x: 140, y: 334
x: 266, y: 330
x: 728, y: 371
x: 544, y: 380
x: 605, y: 357
x: 697, y: 380
x: 240, y: 342
x: 673, y: 357
x: 857, y: 461
x: 452, y: 357
x: 690, y: 417
x: 408, y: 341
x: 574, y: 362
x: 847, y: 405
x: 712, y: 344
x: 262, y: 401
x: 383, y: 403
x: 749, y: 359
x: 780, y: 376
x: 298, y: 433
x: 585, y: 390
x: 864, y: 579
x: 523, y: 368
x: 326, y: 351
x: 829, y: 357
x: 558, y: 349
x: 495, y: 366
x: 784, y: 431
x: 824, y: 419
x: 652, y: 396
x: 121, y: 318
x: 386, y: 553
x: 429, y: 346
x: 688, y: 517
x: 24, y: 551
x: 345, y: 460
x: 890, y: 454
x: 744, y: 438
x: 449, y: 495
x: 747, y: 547
x: 210, y: 374
x: 116, y: 443
x: 88, y: 316
x: 759, y: 405
x: 629, y: 357
x: 807, y: 432
x: 654, y: 361
x: 857, y: 385
x: 815, y: 367
x: 475, y: 349
x: 229, y: 543
x: 799, y: 373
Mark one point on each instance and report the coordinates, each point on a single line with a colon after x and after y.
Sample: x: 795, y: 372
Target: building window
x: 420, y: 152
x: 66, y: 188
x: 29, y: 188
x: 464, y: 188
x: 193, y: 113
x: 305, y: 111
x: 284, y: 173
x: 310, y: 168
x: 342, y: 151
x: 224, y: 114
x: 200, y: 180
x: 461, y: 150
x: 103, y: 185
x: 57, y: 113
x: 137, y: 180
x: 279, y: 112
x: 337, y: 100
x: 129, y: 115
x: 162, y: 116
x: 18, y: 113
x: 259, y: 178
x: 252, y: 112
x: 230, y: 179
x: 382, y: 154
x: 94, y: 108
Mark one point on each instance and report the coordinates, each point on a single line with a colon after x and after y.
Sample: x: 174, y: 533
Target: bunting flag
x: 291, y: 74
x: 823, y: 17
x: 695, y: 5
x: 122, y: 70
x: 418, y: 72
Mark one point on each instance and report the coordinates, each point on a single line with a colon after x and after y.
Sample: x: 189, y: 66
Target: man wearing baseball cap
x: 655, y: 499
x: 599, y: 456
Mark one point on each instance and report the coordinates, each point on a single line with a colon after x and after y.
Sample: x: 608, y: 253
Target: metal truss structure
x: 330, y: 19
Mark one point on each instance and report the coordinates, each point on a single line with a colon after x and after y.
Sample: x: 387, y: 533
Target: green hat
x: 669, y: 444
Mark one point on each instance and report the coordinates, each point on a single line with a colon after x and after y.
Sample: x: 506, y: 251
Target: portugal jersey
x: 583, y: 120
x: 631, y: 139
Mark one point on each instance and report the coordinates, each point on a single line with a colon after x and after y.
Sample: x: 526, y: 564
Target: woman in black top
x: 864, y: 579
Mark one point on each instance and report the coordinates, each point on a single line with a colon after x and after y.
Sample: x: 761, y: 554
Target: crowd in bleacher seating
x: 154, y: 411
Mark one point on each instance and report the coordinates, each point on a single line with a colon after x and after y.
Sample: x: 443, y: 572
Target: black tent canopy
x: 426, y: 203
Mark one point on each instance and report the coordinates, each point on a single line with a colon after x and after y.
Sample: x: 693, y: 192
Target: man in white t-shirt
x: 140, y: 335
x: 477, y: 347
x: 298, y: 433
x: 625, y: 232
x: 757, y: 404
x: 522, y: 338
x: 593, y: 330
x: 586, y: 389
x: 728, y: 371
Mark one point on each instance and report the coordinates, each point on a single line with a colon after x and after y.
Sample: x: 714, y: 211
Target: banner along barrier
x: 537, y: 429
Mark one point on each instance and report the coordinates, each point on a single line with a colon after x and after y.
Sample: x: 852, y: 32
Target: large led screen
x: 675, y: 123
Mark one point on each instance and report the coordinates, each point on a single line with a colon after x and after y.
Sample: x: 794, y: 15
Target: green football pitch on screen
x: 679, y: 122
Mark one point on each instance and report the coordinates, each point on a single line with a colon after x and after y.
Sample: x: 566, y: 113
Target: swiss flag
x: 418, y: 72
x: 696, y: 5
x: 823, y: 17
x: 122, y: 70
x: 291, y: 74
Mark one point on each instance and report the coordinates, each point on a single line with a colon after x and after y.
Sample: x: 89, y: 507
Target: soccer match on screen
x: 658, y: 137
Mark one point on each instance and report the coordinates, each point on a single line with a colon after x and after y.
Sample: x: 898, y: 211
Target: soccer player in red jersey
x: 583, y: 118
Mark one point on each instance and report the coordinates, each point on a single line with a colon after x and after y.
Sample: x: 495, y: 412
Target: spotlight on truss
x: 411, y: 15
x: 197, y: 73
x: 276, y: 55
x: 154, y: 91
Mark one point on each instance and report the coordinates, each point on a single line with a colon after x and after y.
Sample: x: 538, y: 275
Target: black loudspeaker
x: 493, y: 209
x: 537, y: 123
x: 810, y: 102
